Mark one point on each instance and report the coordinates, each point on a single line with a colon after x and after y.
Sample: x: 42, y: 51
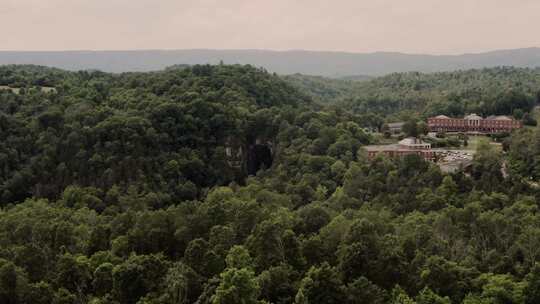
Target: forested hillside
x: 320, y: 63
x: 323, y: 89
x: 488, y: 91
x: 164, y: 132
x: 226, y: 184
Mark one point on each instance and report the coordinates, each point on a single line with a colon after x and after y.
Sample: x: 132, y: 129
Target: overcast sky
x: 412, y: 26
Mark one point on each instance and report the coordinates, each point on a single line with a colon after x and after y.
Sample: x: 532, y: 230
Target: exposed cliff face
x: 235, y: 155
x: 250, y: 157
x: 259, y: 157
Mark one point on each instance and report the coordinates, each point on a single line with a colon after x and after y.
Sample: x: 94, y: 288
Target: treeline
x: 118, y: 189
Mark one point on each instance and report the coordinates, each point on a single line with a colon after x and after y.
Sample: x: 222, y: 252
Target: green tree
x: 529, y: 120
x: 182, y: 284
x: 446, y: 278
x: 529, y: 243
x: 74, y: 273
x: 13, y: 283
x: 63, y: 296
x: 531, y: 291
x: 278, y: 284
x: 321, y: 285
x: 500, y: 289
x: 362, y: 291
x: 238, y: 282
x: 486, y: 167
x: 423, y: 128
x: 237, y: 286
x: 137, y: 276
x: 300, y: 298
x: 102, y: 279
x: 399, y: 296
x: 427, y: 296
x: 39, y: 293
x: 239, y: 257
x: 411, y: 129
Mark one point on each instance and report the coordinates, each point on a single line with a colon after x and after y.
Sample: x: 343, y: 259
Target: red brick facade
x: 473, y: 123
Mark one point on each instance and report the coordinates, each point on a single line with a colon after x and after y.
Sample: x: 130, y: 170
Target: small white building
x: 413, y: 143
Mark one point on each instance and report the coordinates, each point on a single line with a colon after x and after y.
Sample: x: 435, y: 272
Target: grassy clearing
x: 474, y: 141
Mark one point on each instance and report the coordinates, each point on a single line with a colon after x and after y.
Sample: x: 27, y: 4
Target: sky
x: 409, y: 26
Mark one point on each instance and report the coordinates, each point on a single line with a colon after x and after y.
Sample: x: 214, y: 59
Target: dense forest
x: 227, y: 184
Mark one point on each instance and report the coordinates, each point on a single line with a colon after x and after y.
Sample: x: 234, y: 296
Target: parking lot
x: 452, y: 160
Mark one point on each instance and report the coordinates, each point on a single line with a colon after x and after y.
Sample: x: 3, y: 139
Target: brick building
x: 474, y: 124
x: 407, y: 146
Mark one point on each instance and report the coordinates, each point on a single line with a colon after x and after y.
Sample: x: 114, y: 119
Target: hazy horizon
x: 267, y: 50
x: 435, y: 27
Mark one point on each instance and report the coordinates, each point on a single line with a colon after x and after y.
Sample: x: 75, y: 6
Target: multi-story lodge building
x: 474, y: 124
x: 407, y: 146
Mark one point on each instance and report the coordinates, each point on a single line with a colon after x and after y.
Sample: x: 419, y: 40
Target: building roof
x: 473, y: 116
x: 441, y: 117
x: 404, y: 145
x: 388, y: 148
x: 377, y: 148
x: 395, y: 124
x: 409, y: 141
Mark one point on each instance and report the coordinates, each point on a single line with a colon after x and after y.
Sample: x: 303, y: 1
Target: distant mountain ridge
x: 329, y: 64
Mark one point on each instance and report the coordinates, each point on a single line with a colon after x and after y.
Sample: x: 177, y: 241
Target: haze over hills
x: 330, y: 64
